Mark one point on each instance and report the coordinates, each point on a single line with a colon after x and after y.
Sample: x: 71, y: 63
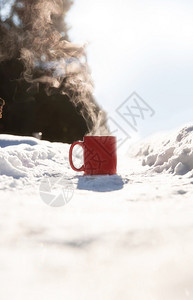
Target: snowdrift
x: 24, y: 156
x: 170, y: 152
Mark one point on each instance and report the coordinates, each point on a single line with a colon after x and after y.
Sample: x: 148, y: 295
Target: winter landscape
x: 125, y: 236
x: 70, y: 69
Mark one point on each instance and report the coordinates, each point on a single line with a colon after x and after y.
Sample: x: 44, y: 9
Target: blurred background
x: 143, y: 46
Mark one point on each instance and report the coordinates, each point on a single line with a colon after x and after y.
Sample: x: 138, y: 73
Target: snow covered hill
x: 126, y: 236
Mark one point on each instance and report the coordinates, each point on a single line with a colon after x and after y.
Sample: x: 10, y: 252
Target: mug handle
x: 70, y: 156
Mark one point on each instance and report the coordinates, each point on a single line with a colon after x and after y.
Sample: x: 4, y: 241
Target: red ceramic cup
x: 100, y: 157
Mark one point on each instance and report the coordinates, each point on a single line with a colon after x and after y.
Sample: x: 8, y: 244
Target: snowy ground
x: 128, y: 236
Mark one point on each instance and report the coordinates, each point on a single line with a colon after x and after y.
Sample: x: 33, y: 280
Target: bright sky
x: 139, y: 45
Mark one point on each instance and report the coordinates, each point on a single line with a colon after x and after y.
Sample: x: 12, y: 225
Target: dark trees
x: 44, y: 78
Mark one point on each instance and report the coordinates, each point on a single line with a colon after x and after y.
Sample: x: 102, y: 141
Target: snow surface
x: 171, y: 152
x: 126, y: 236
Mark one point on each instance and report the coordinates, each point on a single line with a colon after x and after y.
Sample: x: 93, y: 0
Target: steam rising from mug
x: 49, y: 58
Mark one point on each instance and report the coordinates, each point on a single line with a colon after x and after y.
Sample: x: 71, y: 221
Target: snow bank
x: 28, y: 156
x: 167, y: 152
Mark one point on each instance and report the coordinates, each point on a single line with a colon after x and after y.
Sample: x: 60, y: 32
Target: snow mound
x: 30, y: 157
x: 168, y: 152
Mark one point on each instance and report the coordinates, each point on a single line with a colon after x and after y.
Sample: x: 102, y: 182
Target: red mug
x: 100, y: 157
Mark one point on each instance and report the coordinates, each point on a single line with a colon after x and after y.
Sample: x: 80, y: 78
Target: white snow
x: 127, y: 236
x: 171, y: 152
